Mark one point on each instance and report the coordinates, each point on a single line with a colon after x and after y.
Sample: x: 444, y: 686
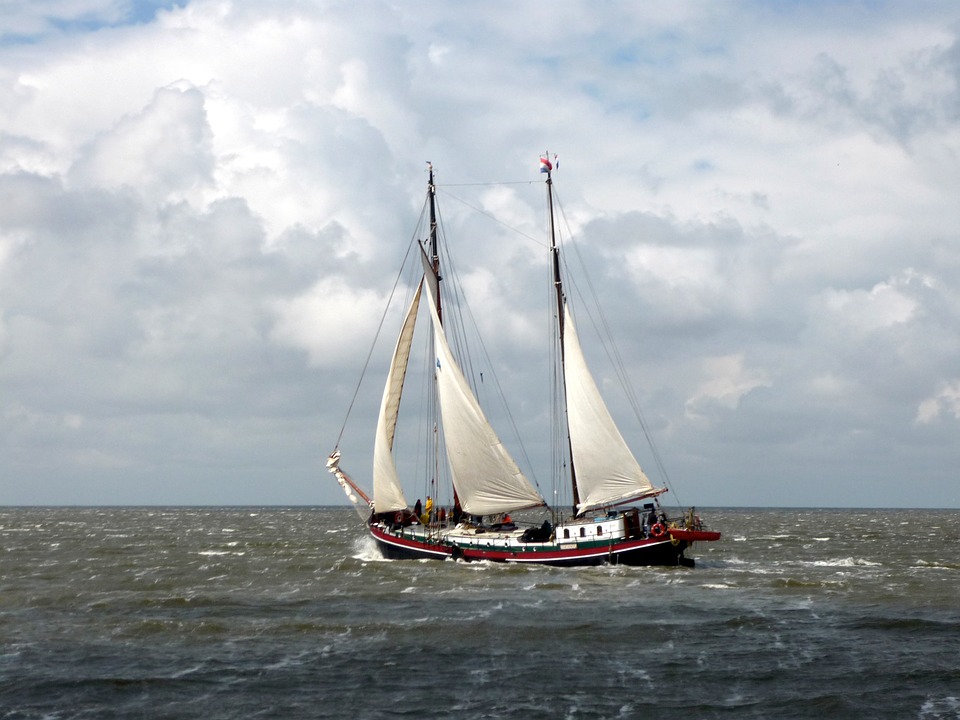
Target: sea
x: 290, y: 613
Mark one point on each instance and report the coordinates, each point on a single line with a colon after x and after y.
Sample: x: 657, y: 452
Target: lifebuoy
x: 657, y: 530
x: 398, y: 518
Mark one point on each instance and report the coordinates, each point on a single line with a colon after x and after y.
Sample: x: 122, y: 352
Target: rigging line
x: 393, y: 290
x: 612, y: 351
x: 615, y: 358
x: 492, y: 184
x: 424, y: 467
x: 497, y: 220
x: 454, y: 331
x: 501, y: 396
x: 458, y: 336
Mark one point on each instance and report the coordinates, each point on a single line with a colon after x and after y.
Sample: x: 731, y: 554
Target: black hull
x: 649, y: 553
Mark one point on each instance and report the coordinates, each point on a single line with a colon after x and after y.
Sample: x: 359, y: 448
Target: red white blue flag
x: 545, y: 164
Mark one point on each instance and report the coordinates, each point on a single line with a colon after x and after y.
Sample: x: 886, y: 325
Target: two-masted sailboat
x: 604, y: 524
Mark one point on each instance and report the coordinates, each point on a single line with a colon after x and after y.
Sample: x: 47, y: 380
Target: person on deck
x: 427, y: 509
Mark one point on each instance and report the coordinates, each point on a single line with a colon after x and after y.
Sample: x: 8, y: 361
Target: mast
x: 546, y: 166
x: 435, y: 264
x: 434, y: 252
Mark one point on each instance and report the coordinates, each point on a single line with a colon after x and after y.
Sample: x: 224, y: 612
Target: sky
x: 203, y: 205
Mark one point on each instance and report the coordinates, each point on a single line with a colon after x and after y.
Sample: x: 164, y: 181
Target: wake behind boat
x: 465, y: 454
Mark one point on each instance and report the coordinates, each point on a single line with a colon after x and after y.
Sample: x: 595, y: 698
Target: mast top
x: 546, y: 166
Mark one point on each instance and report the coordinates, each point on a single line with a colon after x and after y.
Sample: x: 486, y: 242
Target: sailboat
x: 497, y: 514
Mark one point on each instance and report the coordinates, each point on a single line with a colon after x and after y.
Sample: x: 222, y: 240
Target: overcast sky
x: 202, y: 205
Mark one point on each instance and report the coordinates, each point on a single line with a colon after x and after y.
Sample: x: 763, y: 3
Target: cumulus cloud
x: 205, y: 204
x: 726, y: 381
x: 945, y: 402
x: 332, y: 322
x: 164, y: 150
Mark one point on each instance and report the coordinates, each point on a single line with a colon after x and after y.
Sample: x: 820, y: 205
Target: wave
x: 843, y: 562
x: 935, y: 708
x: 365, y: 549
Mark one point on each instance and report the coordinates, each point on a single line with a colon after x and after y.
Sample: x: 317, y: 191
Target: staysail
x: 387, y: 491
x: 607, y: 472
x: 485, y: 476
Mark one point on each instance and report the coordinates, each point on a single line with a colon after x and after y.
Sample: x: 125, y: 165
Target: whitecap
x: 365, y: 549
x: 935, y: 708
x: 844, y: 562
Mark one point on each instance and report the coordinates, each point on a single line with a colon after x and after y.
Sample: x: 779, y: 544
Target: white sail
x: 485, y: 476
x: 607, y: 473
x: 387, y: 491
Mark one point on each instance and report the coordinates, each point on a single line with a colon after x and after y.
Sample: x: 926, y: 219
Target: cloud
x: 867, y: 311
x: 727, y: 381
x: 330, y: 322
x: 165, y: 150
x: 945, y: 403
x: 206, y: 203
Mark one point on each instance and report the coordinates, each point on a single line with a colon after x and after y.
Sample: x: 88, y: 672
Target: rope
x: 356, y: 391
x: 492, y: 217
x: 612, y: 350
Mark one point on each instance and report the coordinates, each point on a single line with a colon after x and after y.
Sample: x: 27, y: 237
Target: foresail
x: 607, y: 472
x: 387, y: 491
x: 485, y: 476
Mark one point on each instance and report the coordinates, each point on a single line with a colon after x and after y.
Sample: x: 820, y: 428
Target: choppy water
x: 288, y: 613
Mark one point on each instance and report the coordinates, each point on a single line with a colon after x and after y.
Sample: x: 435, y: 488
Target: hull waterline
x: 665, y: 551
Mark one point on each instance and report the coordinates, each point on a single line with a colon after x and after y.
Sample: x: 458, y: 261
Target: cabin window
x: 566, y: 534
x: 583, y: 532
x: 599, y: 529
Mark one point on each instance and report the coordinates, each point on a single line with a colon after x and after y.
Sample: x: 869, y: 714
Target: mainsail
x: 387, y: 491
x: 607, y: 472
x: 485, y: 476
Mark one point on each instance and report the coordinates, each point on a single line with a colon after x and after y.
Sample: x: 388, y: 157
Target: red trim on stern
x: 694, y: 535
